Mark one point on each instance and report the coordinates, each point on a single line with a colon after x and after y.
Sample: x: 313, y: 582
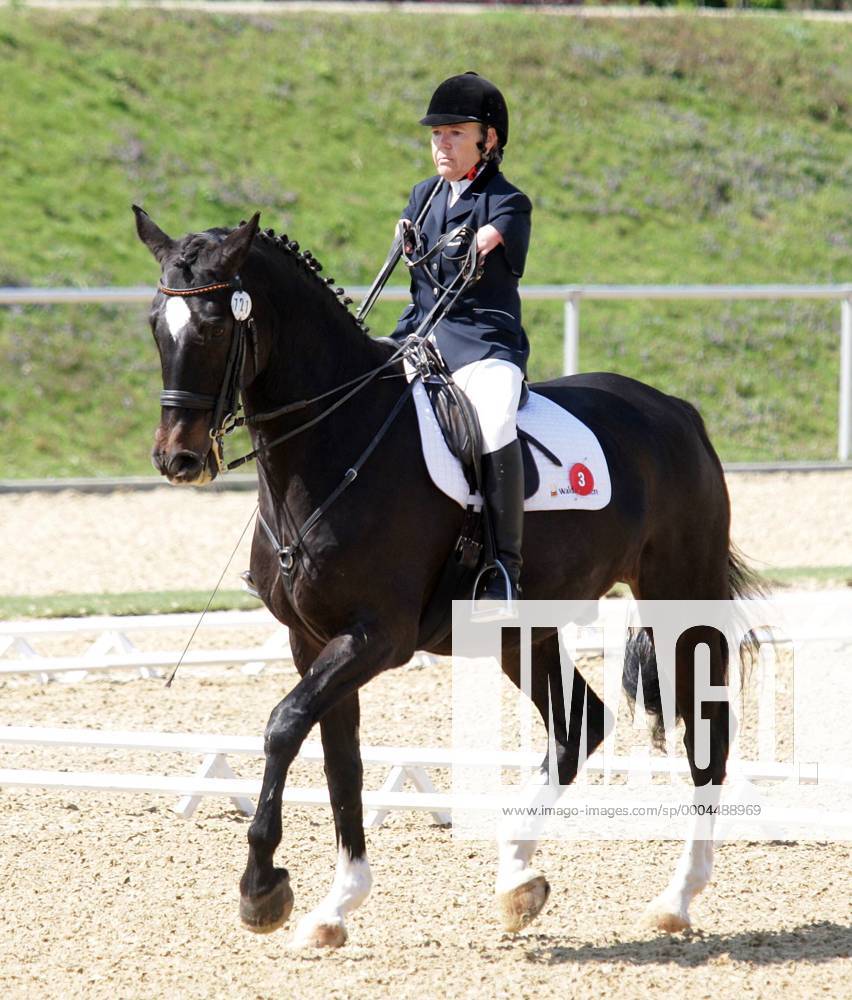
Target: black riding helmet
x: 469, y: 98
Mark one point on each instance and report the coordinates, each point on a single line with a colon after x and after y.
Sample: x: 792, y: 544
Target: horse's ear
x: 151, y: 235
x: 235, y: 247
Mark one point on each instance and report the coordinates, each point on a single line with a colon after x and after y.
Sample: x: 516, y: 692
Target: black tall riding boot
x: 503, y: 486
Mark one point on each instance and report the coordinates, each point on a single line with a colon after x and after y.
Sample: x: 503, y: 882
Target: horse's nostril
x: 184, y: 465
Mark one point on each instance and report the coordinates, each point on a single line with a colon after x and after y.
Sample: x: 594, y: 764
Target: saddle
x: 460, y: 425
x: 461, y: 431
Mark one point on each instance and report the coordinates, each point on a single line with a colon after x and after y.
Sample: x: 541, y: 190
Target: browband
x: 198, y: 290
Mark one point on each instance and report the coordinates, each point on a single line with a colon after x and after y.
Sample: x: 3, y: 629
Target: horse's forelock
x: 193, y: 248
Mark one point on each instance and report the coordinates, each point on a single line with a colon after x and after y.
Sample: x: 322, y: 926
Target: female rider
x: 481, y: 338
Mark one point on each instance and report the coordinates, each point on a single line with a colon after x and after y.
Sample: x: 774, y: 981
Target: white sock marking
x: 351, y: 886
x: 518, y: 836
x: 513, y: 864
x: 693, y: 871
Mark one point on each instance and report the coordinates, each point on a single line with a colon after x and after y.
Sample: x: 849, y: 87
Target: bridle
x: 226, y: 404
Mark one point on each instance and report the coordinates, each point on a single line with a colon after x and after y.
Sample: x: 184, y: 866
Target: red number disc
x: 581, y: 479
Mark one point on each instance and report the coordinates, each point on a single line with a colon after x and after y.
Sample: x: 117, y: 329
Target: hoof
x: 264, y: 914
x: 523, y: 904
x: 322, y: 934
x: 658, y: 917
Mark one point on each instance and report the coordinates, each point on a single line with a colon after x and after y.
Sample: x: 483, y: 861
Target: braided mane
x: 311, y: 266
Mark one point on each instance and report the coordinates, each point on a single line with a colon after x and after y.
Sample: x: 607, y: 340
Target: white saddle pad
x: 581, y: 483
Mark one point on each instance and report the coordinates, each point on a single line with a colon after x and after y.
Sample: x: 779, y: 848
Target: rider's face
x: 455, y: 148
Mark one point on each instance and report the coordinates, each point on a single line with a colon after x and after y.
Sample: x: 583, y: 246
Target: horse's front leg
x: 325, y: 926
x: 347, y: 662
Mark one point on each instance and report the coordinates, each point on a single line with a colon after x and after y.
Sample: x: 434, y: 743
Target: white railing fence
x: 213, y: 774
x: 107, y: 643
x: 215, y: 777
x: 111, y: 643
x: 571, y: 296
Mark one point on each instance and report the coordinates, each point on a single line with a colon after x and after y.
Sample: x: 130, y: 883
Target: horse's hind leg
x: 521, y: 890
x: 325, y: 926
x: 669, y: 911
x: 700, y: 574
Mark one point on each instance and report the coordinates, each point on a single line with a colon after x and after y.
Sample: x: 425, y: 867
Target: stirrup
x: 488, y: 609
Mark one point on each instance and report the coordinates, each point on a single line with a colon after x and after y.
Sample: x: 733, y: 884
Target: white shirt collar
x: 457, y: 190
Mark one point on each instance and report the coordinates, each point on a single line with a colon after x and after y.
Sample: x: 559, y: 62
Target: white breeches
x: 494, y: 388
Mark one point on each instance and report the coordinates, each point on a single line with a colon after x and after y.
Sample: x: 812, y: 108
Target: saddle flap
x: 459, y: 424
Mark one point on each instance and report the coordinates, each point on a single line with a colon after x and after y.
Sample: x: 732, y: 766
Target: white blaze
x: 177, y: 316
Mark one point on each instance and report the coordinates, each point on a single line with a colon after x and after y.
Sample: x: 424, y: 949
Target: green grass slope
x: 671, y: 151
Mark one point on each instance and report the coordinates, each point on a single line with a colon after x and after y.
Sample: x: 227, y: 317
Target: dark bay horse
x: 365, y: 571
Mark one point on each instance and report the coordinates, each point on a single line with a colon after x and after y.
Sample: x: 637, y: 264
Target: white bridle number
x: 241, y: 306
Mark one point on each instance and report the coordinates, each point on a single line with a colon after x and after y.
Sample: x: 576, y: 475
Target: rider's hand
x: 405, y: 236
x: 486, y: 239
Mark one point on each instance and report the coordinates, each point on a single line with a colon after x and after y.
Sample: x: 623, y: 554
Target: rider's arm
x: 487, y: 238
x: 511, y: 219
x: 410, y: 210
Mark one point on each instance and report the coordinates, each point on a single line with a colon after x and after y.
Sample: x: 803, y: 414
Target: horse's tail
x: 640, y: 656
x: 640, y: 660
x: 743, y: 581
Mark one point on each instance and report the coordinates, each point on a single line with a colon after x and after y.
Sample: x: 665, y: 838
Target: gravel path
x: 172, y: 539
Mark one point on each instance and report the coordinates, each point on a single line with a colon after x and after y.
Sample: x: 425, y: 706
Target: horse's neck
x: 315, y: 347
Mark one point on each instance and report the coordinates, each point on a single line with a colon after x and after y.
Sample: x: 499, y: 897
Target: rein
x: 359, y: 383
x: 287, y: 554
x: 226, y: 405
x: 468, y: 273
x: 394, y: 255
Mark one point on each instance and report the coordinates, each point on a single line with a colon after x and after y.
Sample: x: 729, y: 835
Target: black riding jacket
x: 486, y: 320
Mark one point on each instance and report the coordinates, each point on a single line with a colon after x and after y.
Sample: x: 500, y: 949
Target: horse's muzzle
x: 182, y: 453
x: 184, y: 468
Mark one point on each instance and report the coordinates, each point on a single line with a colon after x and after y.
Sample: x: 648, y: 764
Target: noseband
x: 226, y: 405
